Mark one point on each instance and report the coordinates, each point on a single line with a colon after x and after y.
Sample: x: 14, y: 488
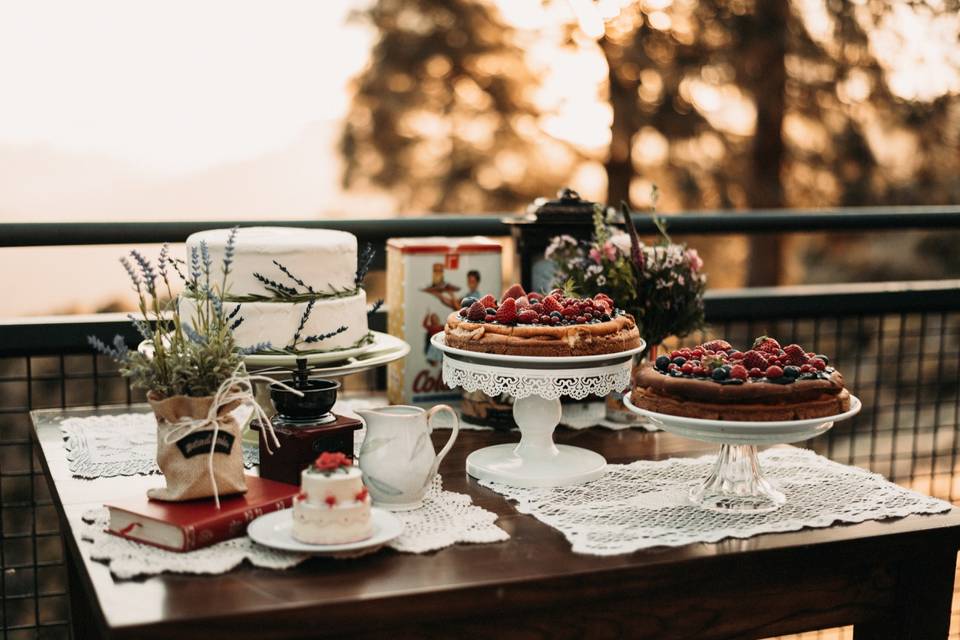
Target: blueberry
x: 679, y: 361
x: 467, y: 302
x: 491, y: 311
x: 556, y: 314
x: 720, y: 374
x: 663, y: 362
x: 605, y: 317
x: 791, y: 371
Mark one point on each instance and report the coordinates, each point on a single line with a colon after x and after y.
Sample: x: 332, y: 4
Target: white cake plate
x: 274, y: 530
x: 736, y: 484
x: 536, y: 383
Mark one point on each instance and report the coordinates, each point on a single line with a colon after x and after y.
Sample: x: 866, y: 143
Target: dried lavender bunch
x: 188, y: 359
x: 364, y: 260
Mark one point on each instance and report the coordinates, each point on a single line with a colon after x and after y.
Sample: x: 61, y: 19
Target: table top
x: 534, y: 568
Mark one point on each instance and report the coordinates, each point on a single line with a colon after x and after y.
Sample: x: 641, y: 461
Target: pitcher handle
x: 453, y: 435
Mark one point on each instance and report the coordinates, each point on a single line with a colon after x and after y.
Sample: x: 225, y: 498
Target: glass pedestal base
x: 736, y: 484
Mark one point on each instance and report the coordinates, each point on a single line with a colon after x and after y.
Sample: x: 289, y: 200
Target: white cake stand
x: 536, y: 383
x: 736, y: 484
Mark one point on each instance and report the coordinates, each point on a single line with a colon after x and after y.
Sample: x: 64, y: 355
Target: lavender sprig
x: 376, y: 307
x: 236, y: 323
x: 303, y: 321
x: 287, y: 273
x: 205, y: 254
x: 324, y: 336
x: 270, y: 285
x: 194, y: 265
x: 255, y: 348
x: 163, y: 260
x: 142, y: 327
x: 233, y: 314
x: 146, y: 271
x: 364, y: 260
x: 229, y: 249
x: 118, y: 350
x: 193, y: 335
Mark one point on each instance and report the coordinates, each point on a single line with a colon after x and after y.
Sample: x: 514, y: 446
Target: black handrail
x: 68, y: 334
x: 377, y: 230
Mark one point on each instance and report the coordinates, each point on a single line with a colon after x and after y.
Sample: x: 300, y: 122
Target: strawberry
x: 551, y: 304
x: 488, y: 302
x: 794, y: 354
x: 774, y: 371
x: 514, y: 291
x: 716, y: 345
x: 755, y: 373
x: 526, y: 316
x: 767, y: 345
x: 754, y: 359
x: 738, y: 371
x: 507, y: 312
x: 476, y: 312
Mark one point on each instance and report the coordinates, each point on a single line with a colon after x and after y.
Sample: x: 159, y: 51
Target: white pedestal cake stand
x: 536, y: 384
x: 736, y: 483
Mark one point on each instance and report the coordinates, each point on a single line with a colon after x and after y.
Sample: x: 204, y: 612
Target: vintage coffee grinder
x: 305, y: 426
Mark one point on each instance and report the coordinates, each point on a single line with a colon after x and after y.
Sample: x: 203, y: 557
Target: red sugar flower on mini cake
x: 362, y: 495
x: 331, y: 501
x: 328, y: 461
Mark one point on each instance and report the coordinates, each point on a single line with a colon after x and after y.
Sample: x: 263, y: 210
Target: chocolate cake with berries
x: 714, y: 381
x: 532, y: 324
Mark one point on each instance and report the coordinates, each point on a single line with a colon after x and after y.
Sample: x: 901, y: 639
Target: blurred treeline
x: 721, y: 103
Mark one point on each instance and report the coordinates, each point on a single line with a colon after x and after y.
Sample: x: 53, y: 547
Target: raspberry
x: 738, y: 371
x: 550, y: 304
x: 794, y: 354
x: 488, y: 301
x: 736, y: 355
x: 514, y: 291
x: 818, y: 364
x: 507, y: 312
x: 754, y: 359
x: 490, y: 317
x: 476, y: 312
x: 774, y: 372
x: 716, y: 345
x: 755, y: 373
x: 538, y: 307
x: 569, y: 312
x: 699, y: 371
x: 544, y: 319
x: 766, y: 344
x: 807, y: 368
x: 687, y: 368
x: 523, y: 302
x: 580, y: 319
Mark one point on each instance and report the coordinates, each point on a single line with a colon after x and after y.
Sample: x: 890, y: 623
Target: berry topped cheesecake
x: 533, y: 324
x: 717, y: 382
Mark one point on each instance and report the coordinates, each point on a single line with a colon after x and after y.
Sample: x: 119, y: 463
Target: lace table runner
x: 644, y: 504
x: 446, y: 518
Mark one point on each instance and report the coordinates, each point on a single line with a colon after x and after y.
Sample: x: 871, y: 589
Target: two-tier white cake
x: 276, y: 272
x: 333, y: 506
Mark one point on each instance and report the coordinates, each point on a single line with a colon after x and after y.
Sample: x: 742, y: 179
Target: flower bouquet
x: 661, y: 285
x: 193, y: 374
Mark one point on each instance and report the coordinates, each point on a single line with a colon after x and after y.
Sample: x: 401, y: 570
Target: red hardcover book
x: 185, y: 526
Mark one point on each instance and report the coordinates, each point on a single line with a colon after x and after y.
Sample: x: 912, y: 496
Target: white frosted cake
x: 276, y: 273
x: 333, y: 506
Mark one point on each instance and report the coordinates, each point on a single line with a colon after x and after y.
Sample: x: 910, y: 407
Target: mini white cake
x: 275, y: 273
x: 333, y: 506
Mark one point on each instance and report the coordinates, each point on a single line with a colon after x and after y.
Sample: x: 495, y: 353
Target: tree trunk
x: 623, y: 100
x: 767, y: 76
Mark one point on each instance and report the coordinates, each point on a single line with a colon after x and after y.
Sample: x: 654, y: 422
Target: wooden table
x: 891, y: 579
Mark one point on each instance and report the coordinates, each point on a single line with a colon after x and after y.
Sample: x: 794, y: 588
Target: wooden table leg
x: 82, y: 623
x: 923, y: 597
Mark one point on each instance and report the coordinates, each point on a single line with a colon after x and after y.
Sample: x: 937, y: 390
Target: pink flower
x: 696, y: 262
x: 610, y: 251
x: 595, y: 255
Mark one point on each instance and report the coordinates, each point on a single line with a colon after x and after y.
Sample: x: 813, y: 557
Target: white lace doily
x: 644, y: 504
x: 446, y: 518
x: 120, y: 445
x: 549, y: 384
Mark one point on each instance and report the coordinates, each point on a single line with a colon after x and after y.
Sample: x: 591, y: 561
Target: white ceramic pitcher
x: 397, y: 457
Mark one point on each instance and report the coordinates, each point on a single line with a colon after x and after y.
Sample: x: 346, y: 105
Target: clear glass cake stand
x: 736, y: 483
x: 536, y: 383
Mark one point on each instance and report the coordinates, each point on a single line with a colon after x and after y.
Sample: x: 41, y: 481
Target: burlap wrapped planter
x: 184, y: 454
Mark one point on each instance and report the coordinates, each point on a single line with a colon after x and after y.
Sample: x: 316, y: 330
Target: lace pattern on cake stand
x: 644, y: 504
x: 446, y: 518
x: 549, y: 384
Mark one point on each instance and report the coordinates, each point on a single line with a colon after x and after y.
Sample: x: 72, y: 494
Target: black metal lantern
x: 568, y: 214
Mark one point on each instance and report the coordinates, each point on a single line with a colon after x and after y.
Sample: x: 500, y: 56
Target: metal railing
x: 897, y: 343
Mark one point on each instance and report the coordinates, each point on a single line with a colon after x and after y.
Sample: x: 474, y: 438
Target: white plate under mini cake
x: 274, y: 530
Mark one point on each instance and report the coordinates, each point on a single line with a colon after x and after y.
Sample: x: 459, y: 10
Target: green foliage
x: 186, y: 360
